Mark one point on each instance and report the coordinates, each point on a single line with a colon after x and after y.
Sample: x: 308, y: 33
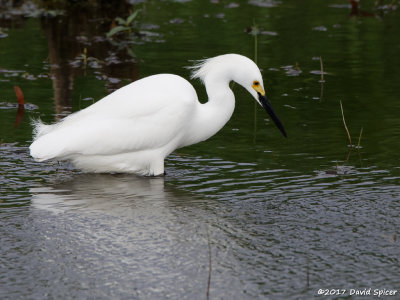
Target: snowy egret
x: 134, y: 128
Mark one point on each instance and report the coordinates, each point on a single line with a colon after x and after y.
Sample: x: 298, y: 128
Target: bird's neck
x: 211, y: 116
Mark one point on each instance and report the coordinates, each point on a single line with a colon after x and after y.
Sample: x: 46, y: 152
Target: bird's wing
x: 137, y: 117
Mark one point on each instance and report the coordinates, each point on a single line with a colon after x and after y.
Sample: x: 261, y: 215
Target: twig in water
x: 344, y: 123
x: 322, y: 69
x: 359, y: 138
x: 322, y: 79
x: 209, y: 265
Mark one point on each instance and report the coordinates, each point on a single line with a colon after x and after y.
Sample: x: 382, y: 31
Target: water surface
x: 283, y: 217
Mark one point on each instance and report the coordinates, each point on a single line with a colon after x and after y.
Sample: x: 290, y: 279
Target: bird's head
x: 250, y: 78
x: 241, y: 70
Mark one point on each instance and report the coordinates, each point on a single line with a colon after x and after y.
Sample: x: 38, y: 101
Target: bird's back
x: 147, y: 114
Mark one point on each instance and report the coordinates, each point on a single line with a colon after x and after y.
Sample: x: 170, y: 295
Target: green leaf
x: 120, y: 21
x: 132, y: 16
x: 130, y: 52
x: 115, y: 30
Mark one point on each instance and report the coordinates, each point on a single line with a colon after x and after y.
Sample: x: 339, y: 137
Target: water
x: 283, y: 217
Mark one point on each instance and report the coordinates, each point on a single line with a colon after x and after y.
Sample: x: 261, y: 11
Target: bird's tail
x: 39, y: 149
x: 39, y: 128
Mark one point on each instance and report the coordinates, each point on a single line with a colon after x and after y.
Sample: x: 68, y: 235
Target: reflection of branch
x: 209, y: 265
x: 355, y: 10
x: 20, y: 115
x: 254, y: 31
x: 321, y: 94
x: 349, y: 148
x: 73, y: 40
x: 308, y: 272
x: 62, y: 73
x: 21, y: 106
x: 359, y: 138
x: 322, y: 79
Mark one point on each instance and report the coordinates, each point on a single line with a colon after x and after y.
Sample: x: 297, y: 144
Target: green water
x: 284, y: 217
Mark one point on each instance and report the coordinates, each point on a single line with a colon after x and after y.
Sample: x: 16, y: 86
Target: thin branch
x: 255, y: 32
x: 359, y: 138
x: 344, y: 123
x: 322, y: 69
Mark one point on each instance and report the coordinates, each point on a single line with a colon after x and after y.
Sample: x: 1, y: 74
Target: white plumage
x: 136, y: 127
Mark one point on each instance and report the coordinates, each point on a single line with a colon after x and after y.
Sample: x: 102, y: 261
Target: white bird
x: 135, y: 128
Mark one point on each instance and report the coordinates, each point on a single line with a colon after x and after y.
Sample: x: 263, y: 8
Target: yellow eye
x: 258, y: 88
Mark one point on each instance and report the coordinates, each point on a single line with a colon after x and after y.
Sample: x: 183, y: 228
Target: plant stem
x: 322, y: 69
x: 344, y: 123
x: 255, y: 33
x: 255, y: 48
x: 359, y: 138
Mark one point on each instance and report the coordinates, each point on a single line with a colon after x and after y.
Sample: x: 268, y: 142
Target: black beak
x: 268, y: 107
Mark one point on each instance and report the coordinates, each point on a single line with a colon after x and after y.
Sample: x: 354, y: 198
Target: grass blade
x: 322, y: 69
x: 120, y: 21
x: 115, y: 30
x: 359, y: 138
x: 344, y: 123
x: 132, y: 17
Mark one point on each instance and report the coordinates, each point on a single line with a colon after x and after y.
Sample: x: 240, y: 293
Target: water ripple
x: 141, y: 237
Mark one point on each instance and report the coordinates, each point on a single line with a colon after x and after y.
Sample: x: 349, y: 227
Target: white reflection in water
x: 121, y: 234
x: 152, y: 237
x: 104, y: 192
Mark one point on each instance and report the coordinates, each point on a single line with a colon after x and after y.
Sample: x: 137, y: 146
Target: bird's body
x: 133, y: 129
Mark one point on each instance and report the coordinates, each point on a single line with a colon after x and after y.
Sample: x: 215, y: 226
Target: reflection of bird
x: 137, y: 126
x: 90, y: 192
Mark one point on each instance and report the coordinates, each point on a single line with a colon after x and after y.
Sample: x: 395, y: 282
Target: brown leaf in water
x: 20, y: 94
x: 21, y: 106
x: 20, y: 115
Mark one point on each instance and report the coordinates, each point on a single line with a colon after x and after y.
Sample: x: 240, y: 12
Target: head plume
x: 228, y: 66
x: 200, y: 68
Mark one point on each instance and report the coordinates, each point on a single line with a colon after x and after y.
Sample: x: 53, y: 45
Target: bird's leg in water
x: 157, y: 167
x: 160, y: 175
